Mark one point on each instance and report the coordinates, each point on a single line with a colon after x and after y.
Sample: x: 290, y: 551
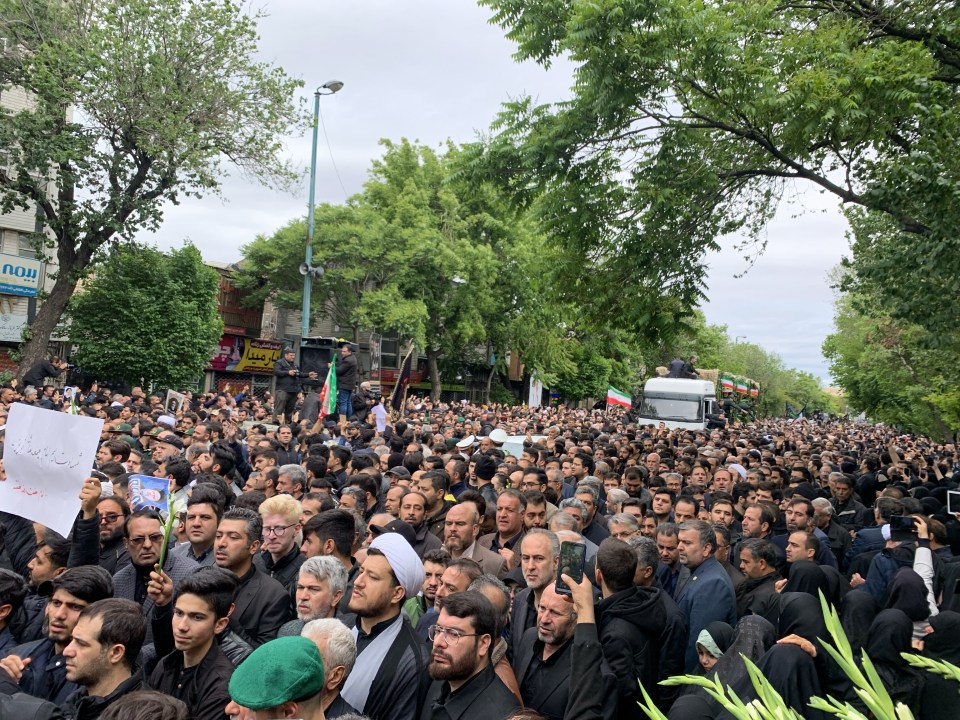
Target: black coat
x: 206, y: 695
x: 262, y: 606
x: 758, y: 596
x: 553, y: 697
x: 482, y: 697
x: 629, y: 625
x: 285, y: 570
x: 83, y: 706
x: 285, y: 381
x: 44, y: 677
x: 347, y: 372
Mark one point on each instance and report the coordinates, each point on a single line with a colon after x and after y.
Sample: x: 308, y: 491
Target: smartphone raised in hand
x: 572, y: 557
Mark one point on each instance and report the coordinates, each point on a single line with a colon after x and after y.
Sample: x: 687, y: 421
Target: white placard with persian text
x: 46, y: 456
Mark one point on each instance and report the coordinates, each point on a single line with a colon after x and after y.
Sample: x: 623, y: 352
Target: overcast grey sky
x: 430, y: 70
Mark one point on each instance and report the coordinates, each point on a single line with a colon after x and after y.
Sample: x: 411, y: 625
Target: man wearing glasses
x: 113, y: 512
x: 281, y: 557
x: 143, y: 538
x: 464, y: 683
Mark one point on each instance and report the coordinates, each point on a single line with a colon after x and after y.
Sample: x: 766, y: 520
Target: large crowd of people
x: 418, y: 567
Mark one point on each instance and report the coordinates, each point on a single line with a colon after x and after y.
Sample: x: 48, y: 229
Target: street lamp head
x: 331, y: 87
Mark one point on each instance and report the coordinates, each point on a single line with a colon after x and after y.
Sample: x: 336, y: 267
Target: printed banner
x: 20, y: 276
x: 47, y: 456
x: 536, y: 392
x: 149, y: 492
x: 241, y: 354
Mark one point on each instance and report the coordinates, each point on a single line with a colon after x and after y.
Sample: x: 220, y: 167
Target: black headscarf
x: 891, y: 633
x: 941, y: 644
x: 793, y: 674
x: 806, y: 576
x: 753, y: 637
x: 801, y: 614
x: 944, y: 642
x: 908, y: 593
x: 856, y: 615
x: 692, y: 707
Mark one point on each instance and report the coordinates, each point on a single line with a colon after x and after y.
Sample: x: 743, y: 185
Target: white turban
x: 740, y: 469
x: 404, y: 562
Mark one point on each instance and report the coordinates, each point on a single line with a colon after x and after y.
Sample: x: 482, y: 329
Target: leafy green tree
x: 138, y: 104
x: 148, y: 317
x: 688, y: 121
x: 426, y: 254
x: 891, y: 370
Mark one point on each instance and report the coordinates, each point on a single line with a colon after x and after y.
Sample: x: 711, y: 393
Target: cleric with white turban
x: 404, y: 561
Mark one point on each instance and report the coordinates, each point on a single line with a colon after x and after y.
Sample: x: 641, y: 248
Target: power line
x: 336, y: 170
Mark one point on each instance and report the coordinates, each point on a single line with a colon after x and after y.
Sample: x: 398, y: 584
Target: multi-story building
x: 25, y: 272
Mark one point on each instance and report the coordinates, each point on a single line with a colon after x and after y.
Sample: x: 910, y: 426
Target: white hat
x: 466, y: 442
x: 404, y: 561
x: 498, y: 435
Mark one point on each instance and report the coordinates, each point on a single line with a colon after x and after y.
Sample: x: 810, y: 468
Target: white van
x: 678, y: 403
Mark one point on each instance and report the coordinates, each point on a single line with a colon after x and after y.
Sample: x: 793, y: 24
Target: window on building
x: 26, y: 247
x: 390, y: 351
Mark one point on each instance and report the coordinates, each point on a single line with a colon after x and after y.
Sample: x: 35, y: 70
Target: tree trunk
x: 49, y: 314
x: 433, y: 366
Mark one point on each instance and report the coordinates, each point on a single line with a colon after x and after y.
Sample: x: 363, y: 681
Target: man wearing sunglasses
x: 143, y: 538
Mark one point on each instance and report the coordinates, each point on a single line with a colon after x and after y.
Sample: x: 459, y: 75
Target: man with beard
x: 542, y: 662
x: 385, y: 683
x: 413, y: 513
x: 38, y: 667
x: 461, y: 527
x: 102, y: 656
x: 320, y: 587
x: 539, y: 559
x: 800, y: 518
x: 262, y: 604
x: 113, y: 512
x: 464, y: 683
x: 13, y: 591
x: 433, y: 486
x: 204, y: 511
x: 434, y: 564
x: 757, y: 595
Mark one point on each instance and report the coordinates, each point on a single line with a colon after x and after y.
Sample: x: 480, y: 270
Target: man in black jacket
x: 43, y: 369
x: 262, y: 604
x: 287, y: 375
x: 758, y: 594
x: 102, y: 656
x: 346, y: 379
x: 196, y: 671
x: 464, y: 683
x: 629, y: 622
x: 38, y: 667
x: 281, y: 557
x: 543, y: 661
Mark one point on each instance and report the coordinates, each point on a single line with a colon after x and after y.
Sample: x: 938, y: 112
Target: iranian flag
x: 615, y: 397
x: 328, y: 394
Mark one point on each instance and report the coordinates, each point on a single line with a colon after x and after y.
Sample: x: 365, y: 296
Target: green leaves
x: 688, y: 119
x: 147, y: 316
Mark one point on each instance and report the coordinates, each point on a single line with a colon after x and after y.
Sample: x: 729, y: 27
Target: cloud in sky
x: 434, y: 70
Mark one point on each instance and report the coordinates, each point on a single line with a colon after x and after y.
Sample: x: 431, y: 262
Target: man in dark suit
x: 709, y: 595
x: 464, y: 683
x: 542, y: 663
x: 460, y: 530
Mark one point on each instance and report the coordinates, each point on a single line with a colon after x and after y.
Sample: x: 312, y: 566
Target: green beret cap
x: 288, y: 668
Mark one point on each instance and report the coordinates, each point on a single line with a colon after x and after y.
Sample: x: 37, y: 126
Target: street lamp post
x: 307, y: 269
